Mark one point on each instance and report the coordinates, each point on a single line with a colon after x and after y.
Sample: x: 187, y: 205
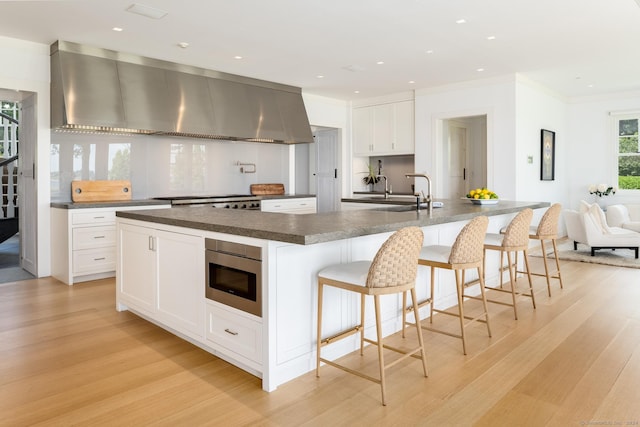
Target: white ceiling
x: 565, y: 45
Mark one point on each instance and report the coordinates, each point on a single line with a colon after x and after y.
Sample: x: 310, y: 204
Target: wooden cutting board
x: 267, y: 189
x: 100, y: 191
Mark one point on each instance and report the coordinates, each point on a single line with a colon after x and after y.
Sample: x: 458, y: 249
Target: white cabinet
x: 301, y: 205
x: 137, y: 272
x: 235, y: 333
x: 83, y: 242
x: 363, y: 122
x: 161, y: 274
x: 386, y: 129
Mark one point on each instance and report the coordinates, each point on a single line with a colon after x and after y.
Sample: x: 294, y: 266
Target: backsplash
x: 393, y: 167
x: 162, y: 166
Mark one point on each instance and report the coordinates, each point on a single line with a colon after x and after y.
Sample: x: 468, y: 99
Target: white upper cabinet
x: 385, y: 129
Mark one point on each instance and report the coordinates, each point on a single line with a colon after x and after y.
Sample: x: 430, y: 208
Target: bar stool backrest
x: 469, y: 245
x: 517, y: 233
x: 548, y: 225
x: 396, y: 262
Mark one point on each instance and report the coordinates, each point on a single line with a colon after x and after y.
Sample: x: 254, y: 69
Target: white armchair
x: 624, y: 216
x: 590, y: 228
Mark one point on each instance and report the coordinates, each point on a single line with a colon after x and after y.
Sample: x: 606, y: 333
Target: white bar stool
x: 514, y: 239
x: 547, y: 229
x: 466, y: 253
x: 392, y: 271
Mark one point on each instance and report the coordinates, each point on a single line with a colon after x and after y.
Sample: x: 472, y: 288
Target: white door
x: 457, y: 164
x: 327, y: 171
x: 27, y: 185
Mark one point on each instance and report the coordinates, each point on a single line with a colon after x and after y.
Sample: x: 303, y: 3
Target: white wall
x: 494, y: 98
x: 25, y: 68
x: 333, y: 113
x: 592, y: 147
x: 537, y: 109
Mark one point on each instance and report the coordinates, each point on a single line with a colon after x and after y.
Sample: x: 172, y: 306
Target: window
x: 628, y: 152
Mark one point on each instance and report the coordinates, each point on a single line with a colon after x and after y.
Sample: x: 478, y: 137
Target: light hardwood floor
x: 68, y: 358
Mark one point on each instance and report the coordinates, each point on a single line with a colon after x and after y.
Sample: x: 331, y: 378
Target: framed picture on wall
x: 547, y: 155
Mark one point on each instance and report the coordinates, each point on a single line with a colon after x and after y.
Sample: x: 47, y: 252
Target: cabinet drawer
x: 300, y: 205
x: 91, y: 261
x: 235, y: 332
x: 94, y: 237
x: 80, y: 218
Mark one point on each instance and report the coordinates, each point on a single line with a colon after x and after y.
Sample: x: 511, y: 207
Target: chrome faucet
x: 387, y: 191
x: 428, y: 198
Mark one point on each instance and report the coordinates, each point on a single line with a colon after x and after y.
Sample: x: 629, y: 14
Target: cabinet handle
x: 98, y: 217
x: 98, y: 237
x: 230, y: 332
x: 152, y: 243
x: 99, y: 259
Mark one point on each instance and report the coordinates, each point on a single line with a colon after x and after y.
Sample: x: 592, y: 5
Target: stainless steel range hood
x: 101, y: 90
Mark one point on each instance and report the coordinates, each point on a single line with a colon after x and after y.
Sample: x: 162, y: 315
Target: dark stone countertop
x: 321, y: 227
x: 118, y: 204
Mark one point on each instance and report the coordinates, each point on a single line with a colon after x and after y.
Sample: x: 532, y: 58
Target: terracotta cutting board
x: 100, y: 191
x: 267, y: 189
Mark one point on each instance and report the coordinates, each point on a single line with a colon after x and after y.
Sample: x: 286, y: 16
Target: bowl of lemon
x: 483, y: 196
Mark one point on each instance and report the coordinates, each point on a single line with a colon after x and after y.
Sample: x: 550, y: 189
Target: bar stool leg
x: 433, y: 280
x: 513, y: 285
x: 362, y: 304
x: 376, y: 300
x: 555, y: 252
x: 546, y: 266
x: 484, y: 300
x: 459, y: 290
x: 414, y: 298
x: 526, y: 264
x: 319, y: 338
x: 404, y: 313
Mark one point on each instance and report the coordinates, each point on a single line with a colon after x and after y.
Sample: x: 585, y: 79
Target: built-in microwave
x: 234, y: 275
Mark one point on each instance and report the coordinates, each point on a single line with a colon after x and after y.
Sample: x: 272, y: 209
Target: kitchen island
x: 161, y: 276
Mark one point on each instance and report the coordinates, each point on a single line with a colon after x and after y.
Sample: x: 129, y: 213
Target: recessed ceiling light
x: 590, y: 85
x: 411, y: 82
x: 480, y: 70
x: 118, y: 29
x: 430, y: 51
x: 461, y: 21
x: 491, y: 37
x: 319, y: 76
x: 380, y: 62
x: 237, y: 57
x: 148, y: 11
x: 356, y: 91
x: 183, y: 45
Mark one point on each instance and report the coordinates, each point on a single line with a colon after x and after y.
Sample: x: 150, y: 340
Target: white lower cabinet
x: 161, y: 274
x: 300, y: 205
x: 235, y: 332
x: 83, y: 242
